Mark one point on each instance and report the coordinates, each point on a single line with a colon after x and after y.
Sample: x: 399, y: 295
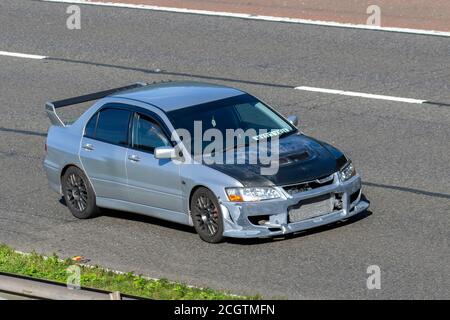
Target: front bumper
x: 237, y: 216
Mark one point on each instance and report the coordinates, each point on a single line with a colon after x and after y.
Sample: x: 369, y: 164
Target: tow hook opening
x: 338, y: 203
x: 259, y: 220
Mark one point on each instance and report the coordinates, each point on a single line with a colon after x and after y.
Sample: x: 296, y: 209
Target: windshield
x: 243, y: 112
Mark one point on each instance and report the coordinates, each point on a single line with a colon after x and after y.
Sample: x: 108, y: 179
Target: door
x: 152, y: 182
x: 103, y: 152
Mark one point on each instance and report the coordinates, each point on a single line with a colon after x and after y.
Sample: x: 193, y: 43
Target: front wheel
x: 207, y: 216
x: 79, y: 194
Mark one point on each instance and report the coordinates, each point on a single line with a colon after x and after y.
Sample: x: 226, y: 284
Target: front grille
x: 305, y: 186
x: 310, y: 208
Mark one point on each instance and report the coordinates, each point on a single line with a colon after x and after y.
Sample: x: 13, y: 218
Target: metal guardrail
x: 20, y: 287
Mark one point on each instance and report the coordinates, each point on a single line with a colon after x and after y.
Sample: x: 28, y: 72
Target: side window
x: 147, y: 134
x: 112, y: 126
x: 89, y: 131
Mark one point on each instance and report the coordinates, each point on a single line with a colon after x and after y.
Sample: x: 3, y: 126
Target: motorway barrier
x: 26, y: 287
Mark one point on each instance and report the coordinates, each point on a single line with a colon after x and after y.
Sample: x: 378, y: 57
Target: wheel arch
x: 69, y: 165
x: 193, y: 189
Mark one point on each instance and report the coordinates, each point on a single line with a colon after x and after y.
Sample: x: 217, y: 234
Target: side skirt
x: 178, y: 217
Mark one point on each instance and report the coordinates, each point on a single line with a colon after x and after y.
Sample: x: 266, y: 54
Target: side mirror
x: 165, y: 153
x: 293, y: 120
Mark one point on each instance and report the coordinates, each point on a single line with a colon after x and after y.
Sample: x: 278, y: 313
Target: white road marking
x: 21, y: 55
x: 360, y: 94
x: 257, y: 17
x: 303, y: 88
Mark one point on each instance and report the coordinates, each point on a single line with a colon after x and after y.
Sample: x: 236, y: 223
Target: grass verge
x: 54, y: 269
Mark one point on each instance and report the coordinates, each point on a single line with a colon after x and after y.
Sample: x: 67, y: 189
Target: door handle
x: 134, y: 158
x: 88, y: 147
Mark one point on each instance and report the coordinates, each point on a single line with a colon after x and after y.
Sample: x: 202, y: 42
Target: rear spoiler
x: 51, y: 107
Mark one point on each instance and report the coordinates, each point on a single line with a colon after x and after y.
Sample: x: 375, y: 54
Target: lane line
x: 257, y: 17
x: 360, y: 94
x: 171, y: 73
x: 302, y: 88
x: 22, y: 55
x: 284, y: 86
x: 436, y: 103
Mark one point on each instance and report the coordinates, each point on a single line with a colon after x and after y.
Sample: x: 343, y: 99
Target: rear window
x: 112, y: 126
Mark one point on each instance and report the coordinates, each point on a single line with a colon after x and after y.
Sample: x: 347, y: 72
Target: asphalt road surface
x: 401, y: 149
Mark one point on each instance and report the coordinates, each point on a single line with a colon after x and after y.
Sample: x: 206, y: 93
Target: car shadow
x: 118, y: 214
x: 241, y: 241
x: 146, y: 219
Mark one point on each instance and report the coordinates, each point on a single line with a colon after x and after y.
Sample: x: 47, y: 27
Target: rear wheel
x: 78, y: 194
x: 207, y: 216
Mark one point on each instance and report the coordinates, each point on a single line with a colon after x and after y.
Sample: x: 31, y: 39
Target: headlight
x: 251, y: 194
x: 347, y: 171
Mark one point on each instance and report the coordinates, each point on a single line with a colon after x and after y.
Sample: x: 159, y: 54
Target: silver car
x: 126, y: 153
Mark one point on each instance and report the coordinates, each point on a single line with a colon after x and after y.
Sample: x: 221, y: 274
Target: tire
x: 78, y: 194
x: 207, y: 215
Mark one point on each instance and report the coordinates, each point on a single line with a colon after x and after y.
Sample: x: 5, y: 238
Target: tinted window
x: 112, y: 126
x: 90, y: 127
x: 241, y: 112
x: 256, y: 116
x: 147, y: 134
